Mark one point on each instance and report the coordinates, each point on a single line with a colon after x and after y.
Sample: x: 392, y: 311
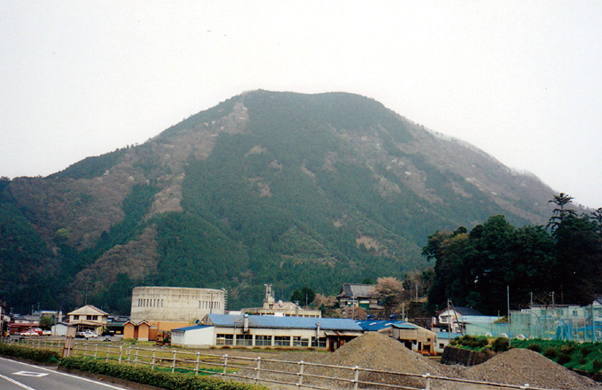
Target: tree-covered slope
x: 280, y: 188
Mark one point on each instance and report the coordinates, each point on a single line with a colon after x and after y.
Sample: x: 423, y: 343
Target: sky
x: 519, y: 79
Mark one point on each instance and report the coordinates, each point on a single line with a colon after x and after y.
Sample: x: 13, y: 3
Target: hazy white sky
x: 521, y: 80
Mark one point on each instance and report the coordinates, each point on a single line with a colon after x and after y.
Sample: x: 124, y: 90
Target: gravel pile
x: 372, y: 350
x: 376, y: 351
x: 521, y: 366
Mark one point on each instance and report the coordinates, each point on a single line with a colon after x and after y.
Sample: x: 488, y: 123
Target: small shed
x: 198, y: 336
x: 59, y: 329
x: 137, y: 330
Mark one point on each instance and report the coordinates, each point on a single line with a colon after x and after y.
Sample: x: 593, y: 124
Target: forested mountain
x: 282, y: 188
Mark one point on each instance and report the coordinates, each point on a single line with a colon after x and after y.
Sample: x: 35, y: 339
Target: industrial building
x: 171, y: 307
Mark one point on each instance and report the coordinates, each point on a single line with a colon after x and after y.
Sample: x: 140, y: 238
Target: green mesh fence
x: 577, y: 323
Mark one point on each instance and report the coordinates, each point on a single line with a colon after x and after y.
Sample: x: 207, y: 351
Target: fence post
x: 173, y: 365
x: 300, y: 381
x: 86, y: 348
x: 258, y: 369
x: 136, y: 358
x: 153, y: 361
x: 95, y: 351
x: 198, y: 357
x: 225, y: 363
x: 108, y: 351
x: 356, y: 377
x: 120, y: 353
x: 128, y: 352
x: 428, y: 381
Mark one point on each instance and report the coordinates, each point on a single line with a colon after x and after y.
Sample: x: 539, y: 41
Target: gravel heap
x: 372, y: 350
x: 521, y: 366
x: 376, y: 351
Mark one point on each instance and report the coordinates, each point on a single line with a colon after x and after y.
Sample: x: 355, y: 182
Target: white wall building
x: 176, y: 304
x: 193, y: 337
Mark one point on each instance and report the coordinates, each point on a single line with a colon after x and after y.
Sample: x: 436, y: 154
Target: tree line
x: 561, y: 262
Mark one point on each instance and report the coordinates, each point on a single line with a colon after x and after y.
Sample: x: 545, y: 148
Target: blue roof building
x: 275, y: 331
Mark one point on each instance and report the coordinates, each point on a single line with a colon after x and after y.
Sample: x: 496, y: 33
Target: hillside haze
x: 288, y: 189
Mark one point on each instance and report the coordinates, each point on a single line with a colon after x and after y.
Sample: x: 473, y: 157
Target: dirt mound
x: 377, y: 351
x: 521, y: 366
x: 374, y: 350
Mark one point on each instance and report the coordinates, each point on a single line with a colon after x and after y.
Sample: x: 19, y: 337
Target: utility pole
x: 449, y: 319
x: 508, y: 301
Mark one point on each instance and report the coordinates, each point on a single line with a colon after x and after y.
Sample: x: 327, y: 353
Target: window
x: 441, y: 345
x: 282, y: 341
x: 244, y: 339
x: 224, y: 339
x: 320, y: 342
x: 262, y: 341
x: 75, y: 317
x: 298, y: 341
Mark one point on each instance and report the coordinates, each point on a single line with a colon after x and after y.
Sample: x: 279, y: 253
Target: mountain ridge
x: 284, y: 188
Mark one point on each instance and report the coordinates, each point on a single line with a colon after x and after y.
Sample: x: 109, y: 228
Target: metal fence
x: 575, y: 323
x: 299, y: 374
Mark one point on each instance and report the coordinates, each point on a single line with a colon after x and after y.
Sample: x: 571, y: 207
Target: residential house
x: 451, y: 319
x: 88, y: 317
x: 359, y: 295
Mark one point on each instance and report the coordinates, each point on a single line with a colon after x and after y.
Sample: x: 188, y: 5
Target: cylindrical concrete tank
x: 176, y: 303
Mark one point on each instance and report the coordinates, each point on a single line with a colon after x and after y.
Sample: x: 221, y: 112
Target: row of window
x: 88, y: 318
x: 209, y: 305
x: 150, y: 302
x: 266, y: 341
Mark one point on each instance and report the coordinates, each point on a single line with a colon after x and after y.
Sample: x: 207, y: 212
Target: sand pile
x: 372, y: 350
x: 521, y: 366
x: 376, y: 351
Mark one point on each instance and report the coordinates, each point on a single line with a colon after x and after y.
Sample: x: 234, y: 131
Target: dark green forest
x: 295, y: 191
x: 562, y: 261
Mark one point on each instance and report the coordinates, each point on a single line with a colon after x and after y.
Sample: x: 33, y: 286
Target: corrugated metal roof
x: 194, y: 327
x: 376, y: 325
x: 231, y: 321
x: 406, y: 325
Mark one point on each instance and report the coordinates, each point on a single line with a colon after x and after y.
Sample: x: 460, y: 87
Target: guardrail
x: 292, y: 373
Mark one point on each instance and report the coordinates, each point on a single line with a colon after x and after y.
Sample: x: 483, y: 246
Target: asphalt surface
x: 16, y: 375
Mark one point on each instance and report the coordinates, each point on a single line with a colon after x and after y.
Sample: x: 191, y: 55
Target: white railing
x: 295, y: 373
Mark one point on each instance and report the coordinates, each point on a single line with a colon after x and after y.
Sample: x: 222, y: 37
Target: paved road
x: 22, y: 376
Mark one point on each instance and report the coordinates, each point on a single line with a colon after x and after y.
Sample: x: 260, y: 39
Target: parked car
x: 86, y: 334
x: 29, y: 332
x: 46, y: 332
